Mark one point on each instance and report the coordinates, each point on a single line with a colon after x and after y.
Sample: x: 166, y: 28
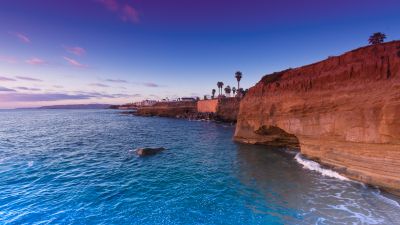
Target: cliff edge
x: 343, y: 112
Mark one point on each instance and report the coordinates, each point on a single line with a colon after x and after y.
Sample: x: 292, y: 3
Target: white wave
x: 314, y: 166
x: 387, y: 200
x: 361, y: 217
x: 30, y: 163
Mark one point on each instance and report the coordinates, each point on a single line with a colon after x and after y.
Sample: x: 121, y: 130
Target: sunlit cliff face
x: 336, y: 121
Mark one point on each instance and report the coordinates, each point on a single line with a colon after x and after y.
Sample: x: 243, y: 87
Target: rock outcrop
x: 148, y: 151
x: 343, y: 112
x: 228, y: 109
x: 168, y: 109
x: 223, y: 110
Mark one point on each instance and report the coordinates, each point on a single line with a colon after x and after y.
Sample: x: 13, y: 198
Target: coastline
x: 221, y: 110
x: 316, y: 109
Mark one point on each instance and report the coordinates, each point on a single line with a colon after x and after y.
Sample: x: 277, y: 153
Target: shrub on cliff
x: 234, y: 91
x: 228, y: 91
x: 377, y: 38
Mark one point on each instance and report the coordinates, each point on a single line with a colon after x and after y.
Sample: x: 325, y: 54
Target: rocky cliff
x: 228, y: 109
x: 168, y: 109
x: 343, y: 112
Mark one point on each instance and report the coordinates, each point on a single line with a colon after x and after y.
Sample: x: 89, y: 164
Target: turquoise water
x: 78, y: 167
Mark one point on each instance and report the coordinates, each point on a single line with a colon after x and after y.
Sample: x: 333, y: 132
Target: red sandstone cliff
x: 228, y: 109
x: 343, y: 112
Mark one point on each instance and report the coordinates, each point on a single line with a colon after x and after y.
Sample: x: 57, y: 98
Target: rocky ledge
x: 226, y: 110
x: 343, y: 112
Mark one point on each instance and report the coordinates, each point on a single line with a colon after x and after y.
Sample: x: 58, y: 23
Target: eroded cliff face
x: 343, y: 112
x: 168, y: 109
x: 227, y: 109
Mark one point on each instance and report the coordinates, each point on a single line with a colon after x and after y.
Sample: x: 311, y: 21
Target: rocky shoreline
x: 322, y: 110
x: 198, y: 116
x: 226, y: 110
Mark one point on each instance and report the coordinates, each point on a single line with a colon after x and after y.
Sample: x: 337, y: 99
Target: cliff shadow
x: 276, y: 136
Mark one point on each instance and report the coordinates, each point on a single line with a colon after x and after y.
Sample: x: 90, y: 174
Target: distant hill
x: 77, y: 106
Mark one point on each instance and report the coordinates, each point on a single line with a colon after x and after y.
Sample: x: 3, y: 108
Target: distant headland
x: 74, y: 106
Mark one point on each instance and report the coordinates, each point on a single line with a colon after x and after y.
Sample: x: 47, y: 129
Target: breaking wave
x: 314, y: 166
x: 392, y: 202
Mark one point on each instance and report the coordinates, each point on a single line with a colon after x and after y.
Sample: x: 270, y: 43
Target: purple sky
x: 117, y: 51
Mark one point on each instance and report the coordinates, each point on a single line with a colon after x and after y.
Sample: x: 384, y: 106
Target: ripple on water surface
x: 77, y: 166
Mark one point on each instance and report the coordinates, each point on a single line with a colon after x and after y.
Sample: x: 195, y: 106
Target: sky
x: 118, y: 51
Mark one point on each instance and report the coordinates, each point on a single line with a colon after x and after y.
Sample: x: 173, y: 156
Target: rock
x: 343, y: 112
x: 168, y: 109
x: 148, y: 151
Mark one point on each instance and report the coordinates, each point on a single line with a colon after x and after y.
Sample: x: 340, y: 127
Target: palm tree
x: 377, y: 38
x: 220, y: 86
x: 238, y: 76
x: 213, y: 93
x: 234, y: 91
x: 228, y: 90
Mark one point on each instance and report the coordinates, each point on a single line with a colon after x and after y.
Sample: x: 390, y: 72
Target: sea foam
x: 392, y: 202
x: 314, y: 166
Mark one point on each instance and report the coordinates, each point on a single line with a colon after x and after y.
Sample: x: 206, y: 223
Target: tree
x: 228, y: 90
x: 377, y: 38
x: 213, y: 93
x: 234, y: 91
x: 220, y: 86
x: 238, y: 76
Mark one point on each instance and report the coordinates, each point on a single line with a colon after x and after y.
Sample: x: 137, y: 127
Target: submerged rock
x: 148, y: 151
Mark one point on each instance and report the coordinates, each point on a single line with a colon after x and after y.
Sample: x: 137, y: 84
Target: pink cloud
x: 149, y: 84
x: 98, y: 85
x: 21, y: 37
x: 79, y: 51
x: 74, y: 62
x: 7, y: 59
x: 28, y: 78
x: 35, y: 61
x: 129, y: 14
x: 28, y: 89
x: 6, y: 79
x: 126, y: 12
x: 6, y: 89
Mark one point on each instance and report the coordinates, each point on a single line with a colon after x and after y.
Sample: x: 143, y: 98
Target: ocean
x: 79, y: 167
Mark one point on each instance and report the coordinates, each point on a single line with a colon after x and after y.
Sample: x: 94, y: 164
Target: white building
x: 146, y: 102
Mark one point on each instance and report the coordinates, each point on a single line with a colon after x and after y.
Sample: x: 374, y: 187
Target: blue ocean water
x: 78, y: 167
